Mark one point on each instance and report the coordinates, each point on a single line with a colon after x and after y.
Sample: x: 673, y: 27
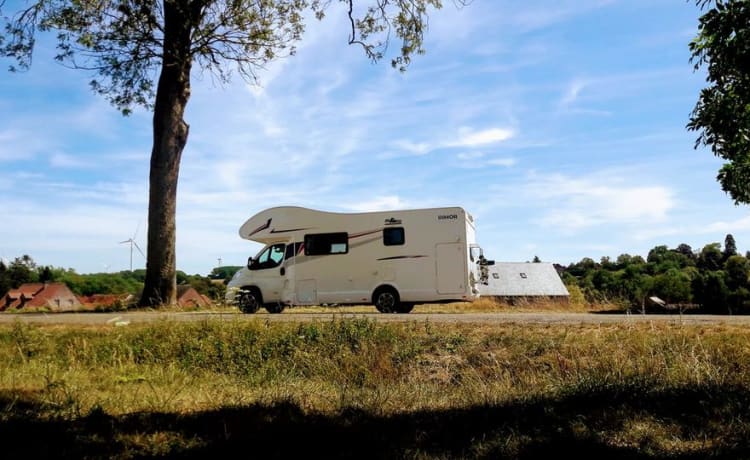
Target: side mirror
x: 250, y: 262
x: 490, y: 262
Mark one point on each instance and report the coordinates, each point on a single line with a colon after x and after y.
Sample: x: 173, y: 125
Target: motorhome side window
x: 393, y: 236
x: 292, y: 250
x: 269, y: 258
x: 322, y: 244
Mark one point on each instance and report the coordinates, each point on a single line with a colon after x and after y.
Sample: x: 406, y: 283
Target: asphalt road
x: 120, y: 319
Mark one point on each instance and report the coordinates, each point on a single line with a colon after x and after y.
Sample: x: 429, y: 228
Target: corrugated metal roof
x: 509, y: 279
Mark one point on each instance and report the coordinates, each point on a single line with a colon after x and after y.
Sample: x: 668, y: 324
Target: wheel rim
x: 248, y: 303
x: 386, y: 301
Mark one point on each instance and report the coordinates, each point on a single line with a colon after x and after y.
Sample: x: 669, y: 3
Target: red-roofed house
x: 51, y: 296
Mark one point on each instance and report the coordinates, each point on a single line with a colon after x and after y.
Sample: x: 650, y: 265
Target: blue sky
x: 560, y: 125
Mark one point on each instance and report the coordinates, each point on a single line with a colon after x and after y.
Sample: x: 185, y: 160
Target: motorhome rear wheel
x: 386, y: 299
x: 405, y: 308
x: 274, y: 308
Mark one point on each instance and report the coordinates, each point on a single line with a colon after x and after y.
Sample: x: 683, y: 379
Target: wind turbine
x: 133, y: 243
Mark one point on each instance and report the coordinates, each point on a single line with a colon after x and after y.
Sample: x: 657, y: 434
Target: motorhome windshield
x: 270, y: 257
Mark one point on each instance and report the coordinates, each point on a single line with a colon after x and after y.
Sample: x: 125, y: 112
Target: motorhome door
x: 451, y: 268
x: 268, y: 272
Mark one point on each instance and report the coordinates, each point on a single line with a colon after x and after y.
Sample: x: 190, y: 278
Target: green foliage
x: 711, y: 257
x: 722, y: 113
x: 225, y: 272
x: 730, y: 247
x: 673, y: 286
x: 22, y: 270
x: 710, y: 290
x: 713, y: 279
x: 25, y: 270
x: 206, y: 286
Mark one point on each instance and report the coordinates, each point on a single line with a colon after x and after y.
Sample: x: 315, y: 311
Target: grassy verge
x: 356, y: 388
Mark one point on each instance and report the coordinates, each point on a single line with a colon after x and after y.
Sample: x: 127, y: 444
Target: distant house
x: 518, y: 281
x: 49, y: 296
x: 188, y: 297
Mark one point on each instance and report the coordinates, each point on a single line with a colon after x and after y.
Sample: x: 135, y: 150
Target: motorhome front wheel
x: 249, y: 301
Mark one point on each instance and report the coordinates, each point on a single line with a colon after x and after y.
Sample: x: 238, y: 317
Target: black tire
x: 405, y: 308
x: 386, y: 300
x: 249, y: 301
x: 274, y: 308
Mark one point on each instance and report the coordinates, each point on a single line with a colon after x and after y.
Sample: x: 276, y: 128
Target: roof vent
x: 523, y: 275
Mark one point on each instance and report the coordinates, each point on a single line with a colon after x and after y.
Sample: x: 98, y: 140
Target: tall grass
x: 603, y: 383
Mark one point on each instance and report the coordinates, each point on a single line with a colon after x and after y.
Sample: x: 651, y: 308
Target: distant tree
x: 730, y: 247
x: 606, y: 263
x: 638, y: 289
x: 661, y: 259
x: 580, y: 269
x: 737, y: 270
x: 22, y: 270
x: 46, y: 274
x: 5, y: 283
x: 607, y: 283
x: 710, y: 290
x: 624, y: 261
x: 204, y: 285
x: 536, y: 260
x: 126, y: 44
x: 575, y: 297
x: 685, y: 250
x: 711, y: 257
x: 657, y: 254
x: 637, y: 260
x: 673, y: 286
x: 722, y: 113
x: 224, y: 272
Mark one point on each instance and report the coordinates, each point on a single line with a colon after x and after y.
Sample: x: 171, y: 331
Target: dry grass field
x: 357, y: 388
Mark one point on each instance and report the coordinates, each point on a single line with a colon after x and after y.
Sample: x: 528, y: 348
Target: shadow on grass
x: 586, y: 424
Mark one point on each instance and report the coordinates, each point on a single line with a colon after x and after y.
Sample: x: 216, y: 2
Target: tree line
x: 25, y: 270
x: 714, y: 279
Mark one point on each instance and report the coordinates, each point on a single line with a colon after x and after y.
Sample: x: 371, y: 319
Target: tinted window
x: 269, y: 258
x: 393, y: 236
x: 292, y: 250
x: 326, y: 243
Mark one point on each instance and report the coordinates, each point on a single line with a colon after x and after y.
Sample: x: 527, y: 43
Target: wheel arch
x: 380, y: 288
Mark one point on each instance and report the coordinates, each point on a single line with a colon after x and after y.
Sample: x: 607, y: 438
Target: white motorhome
x: 392, y: 259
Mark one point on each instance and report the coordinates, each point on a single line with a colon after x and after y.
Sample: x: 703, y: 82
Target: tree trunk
x: 170, y: 137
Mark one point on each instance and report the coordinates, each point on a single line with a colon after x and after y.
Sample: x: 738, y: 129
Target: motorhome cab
x: 392, y: 259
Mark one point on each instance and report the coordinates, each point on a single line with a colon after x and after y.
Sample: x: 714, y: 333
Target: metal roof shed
x: 527, y: 280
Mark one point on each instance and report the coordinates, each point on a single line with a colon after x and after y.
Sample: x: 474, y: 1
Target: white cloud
x: 464, y: 138
x: 381, y: 203
x: 417, y: 148
x: 573, y: 204
x: 571, y: 93
x: 536, y: 15
x: 63, y: 160
x: 470, y: 155
x: 739, y: 225
x: 469, y: 138
x: 507, y: 162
